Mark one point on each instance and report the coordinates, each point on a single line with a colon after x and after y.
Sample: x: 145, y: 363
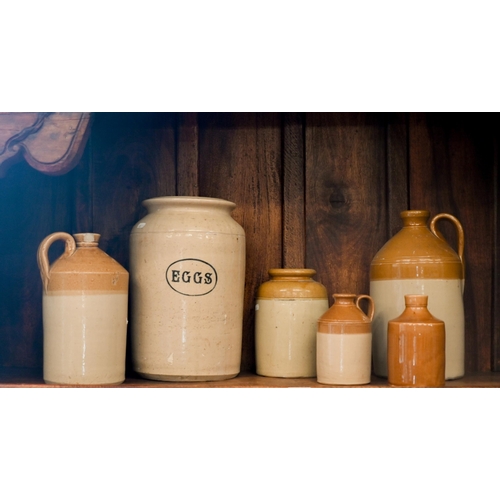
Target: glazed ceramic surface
x: 445, y: 296
x: 344, y: 341
x: 286, y: 313
x: 85, y: 301
x: 417, y: 260
x: 416, y: 346
x: 187, y: 268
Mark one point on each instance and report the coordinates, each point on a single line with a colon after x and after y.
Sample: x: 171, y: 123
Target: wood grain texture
x: 294, y: 227
x: 32, y: 206
x: 82, y: 209
x: 187, y: 155
x: 451, y: 170
x: 345, y: 197
x: 240, y: 160
x: 495, y: 127
x: 397, y: 198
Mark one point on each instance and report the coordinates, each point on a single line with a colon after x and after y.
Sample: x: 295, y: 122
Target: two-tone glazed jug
x: 418, y: 261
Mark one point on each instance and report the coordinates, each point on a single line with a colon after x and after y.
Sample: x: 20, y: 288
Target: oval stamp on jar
x: 193, y: 277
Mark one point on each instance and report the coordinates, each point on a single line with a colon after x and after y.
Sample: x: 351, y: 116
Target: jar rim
x: 178, y: 201
x: 292, y: 272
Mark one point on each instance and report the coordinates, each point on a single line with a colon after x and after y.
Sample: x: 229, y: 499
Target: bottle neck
x: 416, y: 301
x: 413, y: 218
x: 344, y: 299
x: 87, y: 240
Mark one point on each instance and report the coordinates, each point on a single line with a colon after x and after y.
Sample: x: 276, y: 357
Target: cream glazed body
x: 187, y: 268
x: 445, y: 297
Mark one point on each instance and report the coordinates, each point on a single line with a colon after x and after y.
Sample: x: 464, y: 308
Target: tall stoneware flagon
x: 187, y: 269
x: 418, y: 261
x: 85, y: 302
x: 287, y: 310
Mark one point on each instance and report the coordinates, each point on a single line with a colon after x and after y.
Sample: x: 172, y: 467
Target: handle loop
x: 371, y: 305
x: 460, y: 234
x: 43, y: 257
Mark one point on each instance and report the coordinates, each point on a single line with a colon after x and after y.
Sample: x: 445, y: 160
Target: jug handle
x: 43, y: 257
x: 459, y: 229
x: 371, y: 306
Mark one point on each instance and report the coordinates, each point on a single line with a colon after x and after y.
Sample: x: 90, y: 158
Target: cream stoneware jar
x: 345, y: 341
x: 187, y: 270
x: 418, y: 261
x: 85, y: 301
x: 287, y: 309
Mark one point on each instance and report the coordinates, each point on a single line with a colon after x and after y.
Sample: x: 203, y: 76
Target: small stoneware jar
x: 85, y: 301
x: 345, y: 341
x: 287, y: 309
x: 416, y: 346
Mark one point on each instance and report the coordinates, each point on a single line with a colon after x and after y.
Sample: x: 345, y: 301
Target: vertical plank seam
x: 387, y: 201
x: 289, y: 162
x: 495, y: 320
x: 304, y: 190
x: 408, y: 164
x: 177, y: 122
x: 284, y: 145
x: 92, y: 183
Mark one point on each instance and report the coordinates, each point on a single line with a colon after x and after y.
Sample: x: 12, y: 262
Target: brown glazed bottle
x: 416, y: 346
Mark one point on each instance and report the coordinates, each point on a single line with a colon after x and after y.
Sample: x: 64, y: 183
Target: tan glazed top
x: 417, y: 251
x: 346, y: 315
x: 83, y: 267
x: 292, y: 284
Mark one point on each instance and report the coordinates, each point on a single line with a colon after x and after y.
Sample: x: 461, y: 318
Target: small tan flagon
x: 345, y: 341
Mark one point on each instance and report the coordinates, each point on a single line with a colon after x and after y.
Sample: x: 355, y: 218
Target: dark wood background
x: 320, y: 190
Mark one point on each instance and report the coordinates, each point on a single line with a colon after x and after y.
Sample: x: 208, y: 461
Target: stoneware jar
x: 85, y: 300
x: 187, y: 271
x: 417, y: 260
x: 345, y: 341
x: 416, y: 346
x: 287, y: 309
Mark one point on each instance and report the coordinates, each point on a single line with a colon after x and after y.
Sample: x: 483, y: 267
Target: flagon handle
x: 459, y: 230
x: 371, y: 305
x: 43, y: 256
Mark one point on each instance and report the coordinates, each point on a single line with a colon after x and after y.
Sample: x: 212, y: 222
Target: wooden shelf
x: 32, y: 379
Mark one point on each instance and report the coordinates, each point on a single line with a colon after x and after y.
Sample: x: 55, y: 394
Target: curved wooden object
x: 50, y: 142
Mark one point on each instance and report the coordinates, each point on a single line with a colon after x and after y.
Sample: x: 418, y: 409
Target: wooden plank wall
x: 320, y: 190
